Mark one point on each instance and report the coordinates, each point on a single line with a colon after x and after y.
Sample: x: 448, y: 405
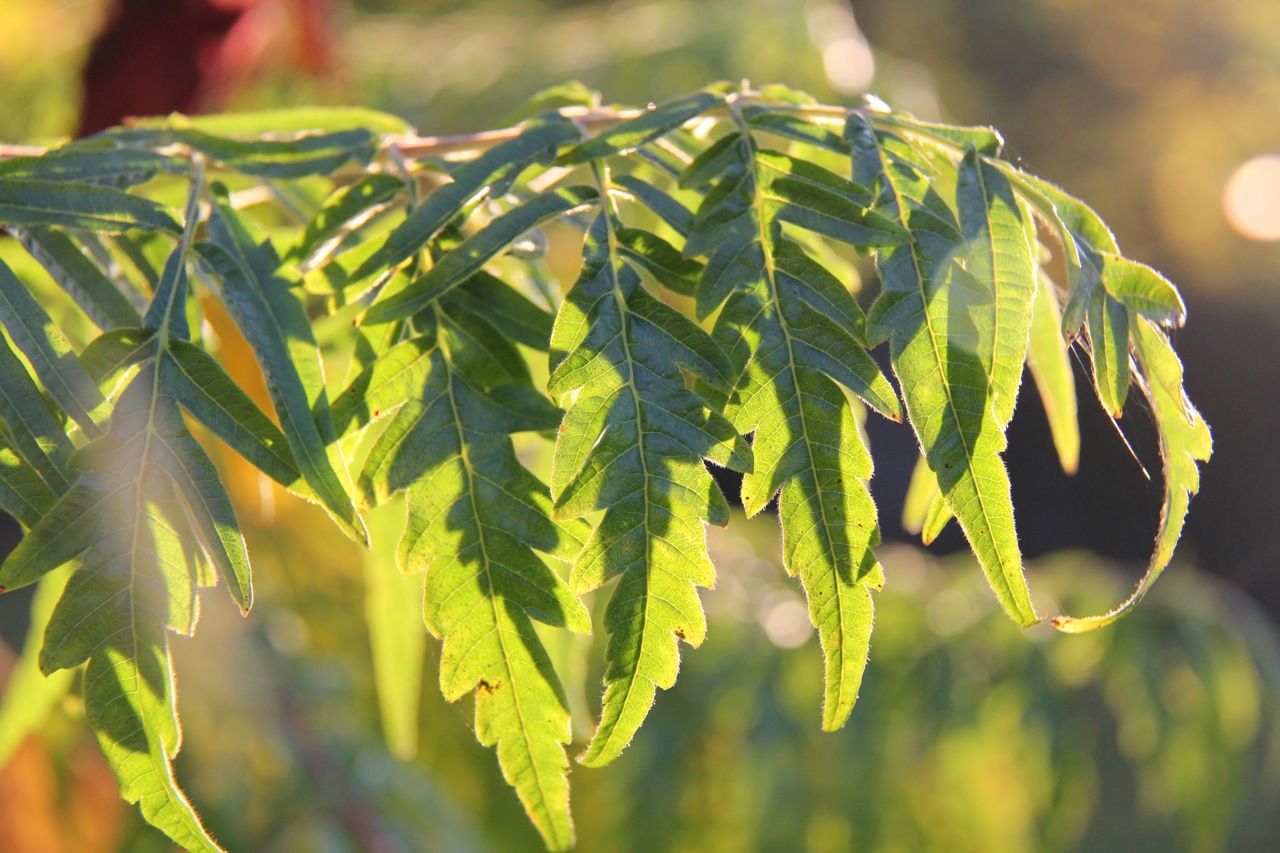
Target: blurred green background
x: 1161, y: 734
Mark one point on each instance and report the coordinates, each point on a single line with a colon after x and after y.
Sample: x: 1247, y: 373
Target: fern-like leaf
x: 792, y: 331
x: 925, y: 312
x: 632, y: 444
x: 274, y: 323
x: 1185, y: 441
x: 476, y: 517
x: 148, y: 516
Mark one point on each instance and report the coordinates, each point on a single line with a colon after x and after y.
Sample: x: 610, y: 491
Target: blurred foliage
x: 1160, y: 734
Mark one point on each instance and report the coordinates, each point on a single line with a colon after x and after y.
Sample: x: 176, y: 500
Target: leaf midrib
x: 770, y: 270
x: 464, y: 456
x: 615, y: 262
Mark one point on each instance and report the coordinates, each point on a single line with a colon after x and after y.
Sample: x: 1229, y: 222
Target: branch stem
x: 412, y: 147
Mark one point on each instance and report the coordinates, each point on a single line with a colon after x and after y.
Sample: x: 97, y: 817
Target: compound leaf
x: 632, y: 444
x: 933, y: 342
x: 789, y: 350
x: 476, y: 517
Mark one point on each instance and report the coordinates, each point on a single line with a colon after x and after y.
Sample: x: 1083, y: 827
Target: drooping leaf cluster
x: 718, y: 319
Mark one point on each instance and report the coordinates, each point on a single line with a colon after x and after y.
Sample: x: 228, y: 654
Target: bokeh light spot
x: 786, y: 622
x: 1251, y: 200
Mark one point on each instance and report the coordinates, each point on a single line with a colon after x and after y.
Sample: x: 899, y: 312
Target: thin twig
x: 412, y: 146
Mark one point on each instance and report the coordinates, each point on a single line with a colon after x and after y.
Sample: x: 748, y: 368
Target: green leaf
x: 32, y: 427
x: 932, y: 347
x: 51, y: 357
x: 711, y: 162
x: 25, y: 202
x: 781, y: 327
x: 920, y: 493
x: 670, y: 211
x: 541, y: 137
x: 507, y: 310
x: 470, y: 256
x: 275, y: 325
x: 22, y: 493
x: 1108, y: 324
x: 383, y: 386
x: 925, y: 511
x: 145, y: 496
x: 1142, y: 290
x: 1070, y: 215
x: 213, y: 398
x: 1050, y: 363
x: 643, y: 129
x: 936, y: 519
x: 305, y: 154
x: 476, y: 517
x: 285, y: 120
x: 86, y: 163
x: 345, y: 211
x: 790, y: 126
x: 109, y: 357
x: 572, y: 93
x: 660, y: 259
x: 996, y: 230
x: 985, y: 140
x: 1184, y: 441
x: 1081, y: 235
x: 820, y: 201
x: 86, y: 283
x: 632, y: 444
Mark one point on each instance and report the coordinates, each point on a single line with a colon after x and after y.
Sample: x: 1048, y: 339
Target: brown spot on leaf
x: 484, y: 688
x: 679, y: 631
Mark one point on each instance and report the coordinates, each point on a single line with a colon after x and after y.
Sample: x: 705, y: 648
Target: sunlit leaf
x: 1185, y: 442
x: 782, y: 329
x: 632, y: 444
x: 470, y: 256
x: 34, y: 334
x: 96, y: 294
x: 648, y: 126
x: 275, y: 325
x: 476, y: 517
x: 540, y: 138
x: 934, y: 352
x: 26, y: 202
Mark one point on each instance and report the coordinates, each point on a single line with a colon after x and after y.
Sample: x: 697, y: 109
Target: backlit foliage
x: 396, y: 292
